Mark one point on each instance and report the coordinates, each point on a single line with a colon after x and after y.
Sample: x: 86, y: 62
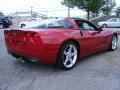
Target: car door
x: 91, y: 40
x: 113, y: 23
x: 118, y: 23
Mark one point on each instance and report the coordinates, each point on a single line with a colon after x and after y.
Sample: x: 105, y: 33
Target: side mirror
x: 100, y: 29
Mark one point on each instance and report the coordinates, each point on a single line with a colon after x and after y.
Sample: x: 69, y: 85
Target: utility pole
x: 31, y: 12
x: 68, y: 11
x: 46, y: 14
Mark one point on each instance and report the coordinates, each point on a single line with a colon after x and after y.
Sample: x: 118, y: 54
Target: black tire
x: 104, y: 25
x: 6, y: 26
x: 22, y: 25
x: 1, y: 26
x: 112, y: 47
x: 60, y: 61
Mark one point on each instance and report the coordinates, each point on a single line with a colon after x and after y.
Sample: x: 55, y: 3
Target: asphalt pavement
x: 97, y: 72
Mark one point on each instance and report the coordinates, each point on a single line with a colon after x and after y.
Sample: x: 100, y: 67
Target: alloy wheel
x: 114, y: 42
x: 70, y: 55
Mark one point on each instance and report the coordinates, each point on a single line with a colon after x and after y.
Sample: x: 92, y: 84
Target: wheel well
x: 71, y: 40
x: 116, y: 35
x: 104, y: 24
x: 22, y: 24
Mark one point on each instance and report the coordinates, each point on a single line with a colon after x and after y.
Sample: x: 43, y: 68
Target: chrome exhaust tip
x: 21, y: 59
x: 33, y: 60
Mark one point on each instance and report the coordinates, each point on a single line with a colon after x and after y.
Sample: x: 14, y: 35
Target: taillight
x: 32, y: 37
x: 36, y: 37
x: 28, y: 36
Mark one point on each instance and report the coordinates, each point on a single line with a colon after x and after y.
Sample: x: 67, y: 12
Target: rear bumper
x: 17, y: 56
x: 29, y: 50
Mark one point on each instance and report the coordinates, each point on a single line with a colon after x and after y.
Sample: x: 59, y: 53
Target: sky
x: 9, y: 6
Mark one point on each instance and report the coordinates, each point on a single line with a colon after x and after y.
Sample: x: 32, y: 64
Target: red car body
x: 44, y: 44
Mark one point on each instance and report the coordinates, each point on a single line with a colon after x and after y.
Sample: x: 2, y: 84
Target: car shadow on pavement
x: 35, y: 67
x: 96, y: 56
x: 45, y: 67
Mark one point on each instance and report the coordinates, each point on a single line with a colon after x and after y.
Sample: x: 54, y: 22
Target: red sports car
x: 61, y: 41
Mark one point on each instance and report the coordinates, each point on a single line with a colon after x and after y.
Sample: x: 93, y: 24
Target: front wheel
x: 104, y: 25
x: 22, y: 25
x: 68, y: 56
x: 1, y: 26
x: 113, y: 45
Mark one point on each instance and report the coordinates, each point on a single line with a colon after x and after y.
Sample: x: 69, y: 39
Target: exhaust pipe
x: 21, y: 59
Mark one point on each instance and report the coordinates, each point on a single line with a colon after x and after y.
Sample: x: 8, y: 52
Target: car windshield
x: 56, y: 23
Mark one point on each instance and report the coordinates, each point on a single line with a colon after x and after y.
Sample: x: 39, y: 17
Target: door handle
x: 81, y: 33
x: 92, y: 33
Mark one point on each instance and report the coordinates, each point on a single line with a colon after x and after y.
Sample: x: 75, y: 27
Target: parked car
x: 29, y: 22
x: 23, y: 24
x: 5, y: 22
x: 113, y: 22
x: 61, y: 42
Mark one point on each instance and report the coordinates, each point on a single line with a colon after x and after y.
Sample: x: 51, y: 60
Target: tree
x: 90, y: 6
x: 108, y: 7
x: 69, y: 4
x: 117, y: 11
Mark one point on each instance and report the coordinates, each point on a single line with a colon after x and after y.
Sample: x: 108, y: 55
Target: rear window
x: 63, y: 23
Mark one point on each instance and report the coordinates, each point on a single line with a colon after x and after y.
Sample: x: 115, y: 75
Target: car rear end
x: 25, y: 44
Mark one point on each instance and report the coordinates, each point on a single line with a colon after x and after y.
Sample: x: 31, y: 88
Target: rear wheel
x: 68, y: 56
x: 113, y: 45
x: 104, y: 25
x: 22, y: 25
x: 1, y: 26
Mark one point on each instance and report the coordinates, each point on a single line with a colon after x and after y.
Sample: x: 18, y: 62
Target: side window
x: 88, y: 26
x: 84, y: 25
x: 80, y: 24
x: 113, y: 20
x: 60, y: 24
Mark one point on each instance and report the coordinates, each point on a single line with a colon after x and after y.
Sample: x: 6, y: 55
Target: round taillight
x: 9, y: 35
x: 36, y: 37
x: 27, y: 37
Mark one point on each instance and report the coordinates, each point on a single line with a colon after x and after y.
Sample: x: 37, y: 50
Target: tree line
x: 92, y: 7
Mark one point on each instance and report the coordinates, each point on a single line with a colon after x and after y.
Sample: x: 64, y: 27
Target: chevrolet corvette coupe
x: 61, y: 41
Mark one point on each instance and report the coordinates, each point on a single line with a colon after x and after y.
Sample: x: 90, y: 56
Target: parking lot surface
x: 97, y: 72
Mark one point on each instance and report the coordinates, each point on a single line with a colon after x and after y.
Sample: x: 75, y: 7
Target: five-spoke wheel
x: 113, y: 44
x: 68, y: 55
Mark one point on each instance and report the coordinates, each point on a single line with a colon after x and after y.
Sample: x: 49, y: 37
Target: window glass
x: 89, y: 26
x: 58, y: 23
x: 113, y: 20
x: 84, y: 25
x: 80, y: 24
